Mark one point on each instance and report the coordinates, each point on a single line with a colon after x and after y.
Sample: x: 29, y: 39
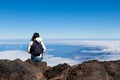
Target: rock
x: 19, y: 70
x: 89, y: 70
x: 56, y: 71
x: 40, y: 65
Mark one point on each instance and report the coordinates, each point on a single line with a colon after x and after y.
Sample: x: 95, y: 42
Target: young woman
x: 39, y: 40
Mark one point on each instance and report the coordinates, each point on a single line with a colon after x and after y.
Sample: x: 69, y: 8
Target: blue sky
x: 58, y: 19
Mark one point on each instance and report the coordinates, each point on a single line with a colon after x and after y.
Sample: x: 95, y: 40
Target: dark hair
x: 35, y: 35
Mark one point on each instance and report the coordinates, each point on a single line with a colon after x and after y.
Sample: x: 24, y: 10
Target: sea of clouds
x: 107, y: 46
x: 23, y: 55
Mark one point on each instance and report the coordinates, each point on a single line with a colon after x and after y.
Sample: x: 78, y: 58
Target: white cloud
x: 50, y: 59
x: 109, y: 57
x: 107, y: 46
x: 50, y: 49
x: 111, y: 47
x: 92, y: 51
x: 14, y: 54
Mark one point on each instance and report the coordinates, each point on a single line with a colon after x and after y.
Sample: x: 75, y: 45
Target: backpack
x: 36, y: 48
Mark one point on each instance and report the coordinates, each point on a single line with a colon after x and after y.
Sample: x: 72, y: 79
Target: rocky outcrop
x: 56, y: 72
x: 89, y: 70
x: 18, y: 70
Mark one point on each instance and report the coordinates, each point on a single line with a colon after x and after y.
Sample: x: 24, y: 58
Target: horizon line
x: 66, y: 39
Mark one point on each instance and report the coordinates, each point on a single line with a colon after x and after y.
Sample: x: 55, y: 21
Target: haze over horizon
x: 60, y: 19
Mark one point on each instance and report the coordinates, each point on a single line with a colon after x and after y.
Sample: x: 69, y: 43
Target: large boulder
x: 19, y: 70
x: 89, y: 70
x: 55, y: 72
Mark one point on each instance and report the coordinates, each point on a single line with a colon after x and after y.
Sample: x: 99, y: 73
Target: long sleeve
x: 29, y: 46
x: 43, y: 45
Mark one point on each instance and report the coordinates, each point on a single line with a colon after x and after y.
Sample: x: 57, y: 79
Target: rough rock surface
x: 19, y: 70
x: 89, y: 70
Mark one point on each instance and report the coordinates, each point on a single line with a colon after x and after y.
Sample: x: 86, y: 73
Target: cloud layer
x: 110, y: 50
x: 50, y: 59
x: 108, y: 45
